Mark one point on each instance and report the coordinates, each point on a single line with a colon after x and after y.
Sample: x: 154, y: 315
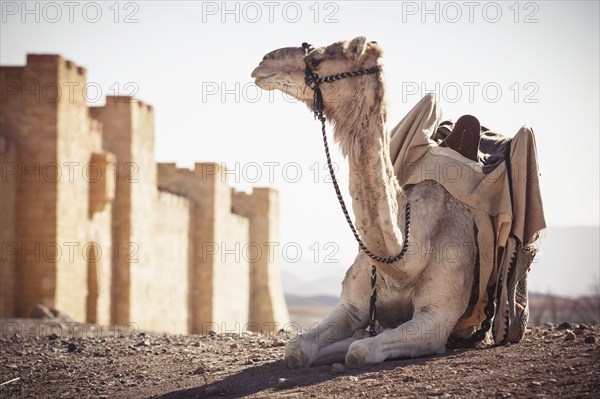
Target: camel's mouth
x: 271, y: 77
x: 264, y: 79
x: 261, y: 72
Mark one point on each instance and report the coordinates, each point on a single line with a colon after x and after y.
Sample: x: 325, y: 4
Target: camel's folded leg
x: 426, y: 334
x: 333, y: 353
x: 336, y: 352
x: 329, y: 340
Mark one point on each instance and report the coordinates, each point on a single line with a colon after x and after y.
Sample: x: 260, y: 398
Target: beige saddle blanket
x: 505, y: 203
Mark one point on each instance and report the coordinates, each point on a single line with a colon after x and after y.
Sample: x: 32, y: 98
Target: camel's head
x: 284, y: 69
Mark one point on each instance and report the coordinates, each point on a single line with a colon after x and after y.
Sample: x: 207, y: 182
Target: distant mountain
x: 311, y: 280
x: 543, y: 308
x: 568, y: 263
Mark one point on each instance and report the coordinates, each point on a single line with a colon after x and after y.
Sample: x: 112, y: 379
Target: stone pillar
x: 30, y: 117
x: 268, y: 310
x: 128, y: 126
x: 10, y: 248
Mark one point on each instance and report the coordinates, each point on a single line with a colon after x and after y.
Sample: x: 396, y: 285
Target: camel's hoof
x: 355, y: 358
x: 295, y: 354
x: 360, y: 352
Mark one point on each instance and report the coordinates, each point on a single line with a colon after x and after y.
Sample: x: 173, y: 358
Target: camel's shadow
x: 265, y: 378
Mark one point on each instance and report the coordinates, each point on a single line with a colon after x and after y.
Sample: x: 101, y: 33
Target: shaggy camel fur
x: 423, y: 295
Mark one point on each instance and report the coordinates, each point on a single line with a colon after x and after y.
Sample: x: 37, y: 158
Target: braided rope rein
x: 313, y: 81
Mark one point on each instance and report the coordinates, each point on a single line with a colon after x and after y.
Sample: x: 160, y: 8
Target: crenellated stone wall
x: 92, y: 226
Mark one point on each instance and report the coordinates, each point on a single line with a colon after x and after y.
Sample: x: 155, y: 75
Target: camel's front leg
x: 438, y: 305
x: 329, y: 340
x: 424, y: 335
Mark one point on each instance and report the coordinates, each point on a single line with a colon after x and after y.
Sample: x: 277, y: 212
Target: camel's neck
x: 376, y: 194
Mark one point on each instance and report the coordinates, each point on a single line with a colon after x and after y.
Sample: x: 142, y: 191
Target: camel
x: 420, y: 297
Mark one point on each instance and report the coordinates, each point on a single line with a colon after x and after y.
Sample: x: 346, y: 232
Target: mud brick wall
x: 92, y: 226
x: 31, y: 121
x: 160, y: 295
x: 9, y: 249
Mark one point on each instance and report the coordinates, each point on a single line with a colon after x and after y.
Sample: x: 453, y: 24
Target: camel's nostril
x: 265, y: 57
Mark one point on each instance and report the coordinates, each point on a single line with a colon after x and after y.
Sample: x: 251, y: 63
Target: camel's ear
x: 356, y: 47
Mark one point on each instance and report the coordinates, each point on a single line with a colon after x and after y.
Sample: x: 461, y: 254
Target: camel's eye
x: 313, y: 62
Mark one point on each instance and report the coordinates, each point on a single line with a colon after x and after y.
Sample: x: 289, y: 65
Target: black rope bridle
x: 313, y: 81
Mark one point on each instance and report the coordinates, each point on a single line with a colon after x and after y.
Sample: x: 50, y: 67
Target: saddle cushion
x: 464, y: 137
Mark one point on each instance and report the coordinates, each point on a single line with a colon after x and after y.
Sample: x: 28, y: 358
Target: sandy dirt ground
x: 49, y: 360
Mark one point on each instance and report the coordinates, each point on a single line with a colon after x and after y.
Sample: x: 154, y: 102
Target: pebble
x: 502, y: 394
x: 564, y: 326
x: 435, y: 393
x: 234, y: 346
x: 145, y: 342
x: 507, y: 344
x: 286, y: 383
x: 337, y: 368
x: 534, y: 384
x: 52, y: 336
x: 590, y: 339
x: 569, y: 336
x: 71, y: 347
x: 39, y: 311
x: 215, y: 391
x: 579, y: 331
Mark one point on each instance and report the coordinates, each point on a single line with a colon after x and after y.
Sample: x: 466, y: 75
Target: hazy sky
x: 508, y: 63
